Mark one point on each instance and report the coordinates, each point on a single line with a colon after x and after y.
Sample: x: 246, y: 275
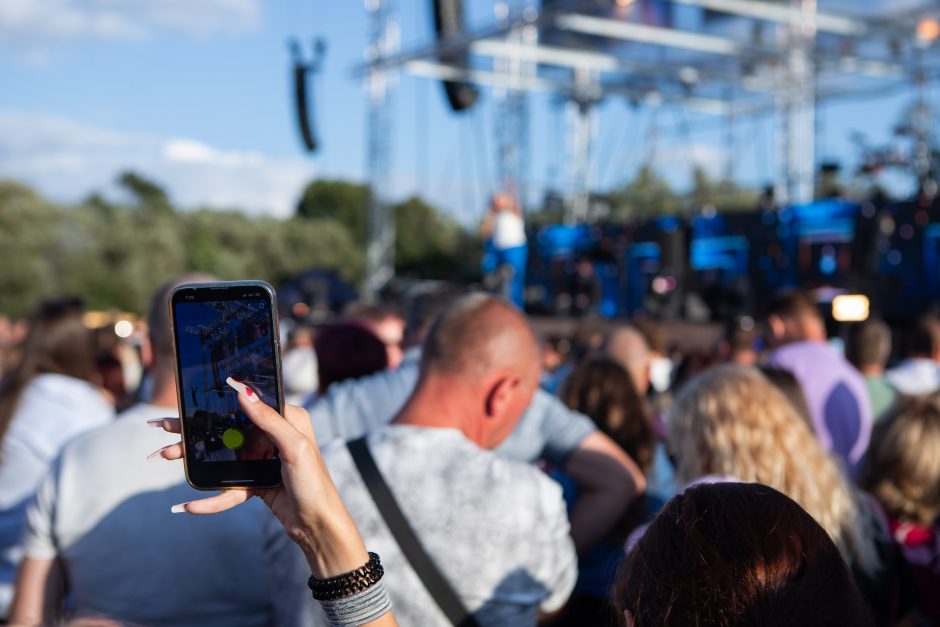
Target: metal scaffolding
x: 734, y: 58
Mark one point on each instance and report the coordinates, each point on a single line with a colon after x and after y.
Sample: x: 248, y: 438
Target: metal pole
x: 380, y: 243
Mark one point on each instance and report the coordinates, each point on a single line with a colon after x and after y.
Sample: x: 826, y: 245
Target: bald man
x: 495, y: 528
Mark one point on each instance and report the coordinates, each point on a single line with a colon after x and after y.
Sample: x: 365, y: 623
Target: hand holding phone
x: 306, y: 503
x: 226, y: 341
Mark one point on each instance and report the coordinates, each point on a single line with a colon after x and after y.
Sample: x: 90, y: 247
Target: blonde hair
x: 902, y: 469
x: 732, y: 421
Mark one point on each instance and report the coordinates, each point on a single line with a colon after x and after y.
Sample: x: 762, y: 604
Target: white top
x: 496, y: 528
x: 105, y: 511
x: 915, y: 377
x: 508, y: 230
x: 52, y: 410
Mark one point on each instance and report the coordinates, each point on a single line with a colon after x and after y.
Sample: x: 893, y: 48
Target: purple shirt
x: 836, y: 395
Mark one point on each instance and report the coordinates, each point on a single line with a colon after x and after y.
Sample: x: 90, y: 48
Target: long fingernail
x: 179, y: 509
x: 242, y: 389
x: 155, y: 455
x: 156, y: 423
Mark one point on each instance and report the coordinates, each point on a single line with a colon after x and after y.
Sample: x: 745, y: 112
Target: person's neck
x: 164, y: 393
x: 439, y: 404
x: 872, y: 370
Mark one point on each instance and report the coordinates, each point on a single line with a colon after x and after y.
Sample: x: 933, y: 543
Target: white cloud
x: 31, y: 29
x: 67, y: 160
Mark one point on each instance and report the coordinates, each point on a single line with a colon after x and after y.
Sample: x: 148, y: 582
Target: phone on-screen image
x: 220, y: 331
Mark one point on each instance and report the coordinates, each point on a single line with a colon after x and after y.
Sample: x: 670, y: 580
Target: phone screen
x: 221, y: 333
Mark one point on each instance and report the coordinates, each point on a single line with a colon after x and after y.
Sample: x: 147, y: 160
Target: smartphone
x: 220, y: 331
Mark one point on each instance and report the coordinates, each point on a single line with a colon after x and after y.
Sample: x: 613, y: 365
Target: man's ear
x: 777, y: 326
x: 500, y: 395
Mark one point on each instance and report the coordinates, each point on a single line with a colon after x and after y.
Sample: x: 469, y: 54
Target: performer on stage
x: 506, y: 251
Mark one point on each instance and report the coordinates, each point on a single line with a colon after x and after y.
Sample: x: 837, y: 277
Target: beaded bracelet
x: 348, y: 584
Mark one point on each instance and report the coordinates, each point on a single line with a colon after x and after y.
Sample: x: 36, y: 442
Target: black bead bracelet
x: 348, y: 584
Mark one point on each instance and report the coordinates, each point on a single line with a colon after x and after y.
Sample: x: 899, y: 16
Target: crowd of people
x: 499, y: 477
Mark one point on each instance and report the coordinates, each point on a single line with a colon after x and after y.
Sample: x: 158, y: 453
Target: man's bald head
x: 477, y: 335
x: 158, y: 319
x: 627, y: 346
x: 479, y: 370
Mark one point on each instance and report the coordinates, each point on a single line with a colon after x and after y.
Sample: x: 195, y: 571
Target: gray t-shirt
x: 548, y: 430
x: 105, y: 511
x: 496, y: 528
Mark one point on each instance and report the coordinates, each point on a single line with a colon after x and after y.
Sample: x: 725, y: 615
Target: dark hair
x: 739, y: 554
x: 869, y: 344
x: 601, y: 389
x: 57, y: 343
x: 786, y: 382
x: 790, y: 304
x: 347, y: 351
x: 924, y: 340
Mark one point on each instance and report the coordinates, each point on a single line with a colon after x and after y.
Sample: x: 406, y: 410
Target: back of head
x: 732, y: 421
x: 924, y: 340
x: 793, y: 317
x: 476, y: 335
x: 902, y: 467
x: 158, y: 319
x: 57, y: 343
x: 736, y: 554
x: 869, y: 344
x: 790, y: 387
x: 601, y: 389
x: 627, y: 346
x: 347, y: 351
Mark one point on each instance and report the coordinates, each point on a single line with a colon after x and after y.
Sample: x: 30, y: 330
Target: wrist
x: 331, y: 544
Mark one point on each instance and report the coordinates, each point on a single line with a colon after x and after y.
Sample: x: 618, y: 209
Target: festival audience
x: 902, y: 471
x: 51, y: 396
x: 386, y: 323
x: 732, y: 423
x: 869, y: 349
x: 629, y: 348
x: 788, y: 385
x: 347, y: 351
x: 835, y: 391
x: 736, y: 554
x: 100, y: 535
x: 496, y: 529
x: 602, y: 390
x: 607, y: 479
x: 299, y: 365
x: 919, y: 373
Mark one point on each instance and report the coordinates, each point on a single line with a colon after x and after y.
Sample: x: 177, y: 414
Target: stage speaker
x: 448, y: 22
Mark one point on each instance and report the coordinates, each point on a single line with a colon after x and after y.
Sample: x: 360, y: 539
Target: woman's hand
x: 306, y: 503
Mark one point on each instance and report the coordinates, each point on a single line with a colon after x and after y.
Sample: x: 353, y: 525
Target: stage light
x: 928, y: 30
x: 123, y: 328
x: 850, y: 308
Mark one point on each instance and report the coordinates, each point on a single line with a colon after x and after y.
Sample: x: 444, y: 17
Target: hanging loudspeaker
x: 448, y: 22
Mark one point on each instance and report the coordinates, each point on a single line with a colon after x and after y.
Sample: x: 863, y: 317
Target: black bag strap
x: 429, y: 574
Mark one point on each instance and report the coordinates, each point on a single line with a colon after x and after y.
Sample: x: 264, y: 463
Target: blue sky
x: 197, y: 96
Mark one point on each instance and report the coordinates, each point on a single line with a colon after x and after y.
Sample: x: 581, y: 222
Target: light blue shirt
x: 52, y: 410
x: 548, y: 430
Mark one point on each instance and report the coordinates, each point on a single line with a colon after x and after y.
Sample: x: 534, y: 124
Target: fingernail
x: 242, y: 389
x: 179, y: 509
x: 155, y: 455
x: 156, y: 423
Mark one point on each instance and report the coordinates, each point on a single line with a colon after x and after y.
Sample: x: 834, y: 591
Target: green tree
x: 724, y: 194
x: 345, y: 202
x: 148, y: 195
x: 426, y: 240
x: 29, y: 230
x: 647, y: 194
